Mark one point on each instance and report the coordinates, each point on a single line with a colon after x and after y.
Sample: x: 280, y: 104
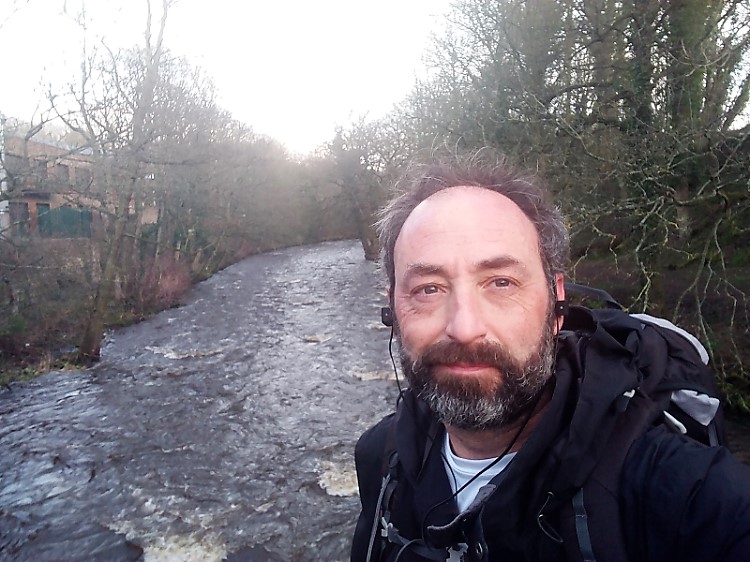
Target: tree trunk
x: 90, y: 348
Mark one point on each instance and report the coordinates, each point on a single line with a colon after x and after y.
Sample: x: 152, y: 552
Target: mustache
x: 481, y: 353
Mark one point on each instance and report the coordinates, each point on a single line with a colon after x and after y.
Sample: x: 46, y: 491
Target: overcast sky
x: 291, y: 69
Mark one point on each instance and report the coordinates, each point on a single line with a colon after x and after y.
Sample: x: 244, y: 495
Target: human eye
x: 501, y: 283
x: 428, y: 289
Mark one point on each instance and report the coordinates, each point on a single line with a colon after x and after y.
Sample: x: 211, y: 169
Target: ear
x: 559, y: 297
x: 560, y: 286
x: 386, y: 312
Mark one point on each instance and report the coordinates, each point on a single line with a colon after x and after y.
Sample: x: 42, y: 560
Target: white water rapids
x: 222, y: 429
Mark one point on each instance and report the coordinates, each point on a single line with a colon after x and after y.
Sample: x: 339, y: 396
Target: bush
x: 163, y: 284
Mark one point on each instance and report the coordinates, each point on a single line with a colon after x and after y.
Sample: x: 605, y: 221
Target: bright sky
x: 291, y: 69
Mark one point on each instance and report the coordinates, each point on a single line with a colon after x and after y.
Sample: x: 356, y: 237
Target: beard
x: 485, y: 401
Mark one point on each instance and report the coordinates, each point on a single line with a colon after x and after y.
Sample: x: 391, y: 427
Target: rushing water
x: 222, y: 429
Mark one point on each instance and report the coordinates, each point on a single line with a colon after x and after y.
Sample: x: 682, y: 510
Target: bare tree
x: 367, y: 158
x: 113, y: 114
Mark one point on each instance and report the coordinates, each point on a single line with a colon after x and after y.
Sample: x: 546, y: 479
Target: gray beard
x: 471, y: 403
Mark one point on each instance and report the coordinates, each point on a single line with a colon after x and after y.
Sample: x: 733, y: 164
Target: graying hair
x: 480, y: 170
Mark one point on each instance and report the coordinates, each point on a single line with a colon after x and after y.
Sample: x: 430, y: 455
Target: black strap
x: 582, y: 528
x: 418, y: 546
x: 376, y: 522
x: 597, y: 294
x: 383, y: 518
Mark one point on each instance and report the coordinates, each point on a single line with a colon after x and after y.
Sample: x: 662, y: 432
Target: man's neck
x: 491, y: 443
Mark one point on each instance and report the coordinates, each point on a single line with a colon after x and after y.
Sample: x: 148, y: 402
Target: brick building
x: 44, y: 186
x: 47, y: 190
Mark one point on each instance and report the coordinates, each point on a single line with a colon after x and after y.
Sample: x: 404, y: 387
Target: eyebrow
x: 423, y: 269
x: 499, y: 262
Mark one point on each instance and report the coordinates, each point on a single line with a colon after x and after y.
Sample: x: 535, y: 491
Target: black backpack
x: 669, y: 383
x: 658, y: 374
x: 673, y: 364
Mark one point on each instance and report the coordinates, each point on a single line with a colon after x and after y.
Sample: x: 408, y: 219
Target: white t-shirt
x: 460, y: 471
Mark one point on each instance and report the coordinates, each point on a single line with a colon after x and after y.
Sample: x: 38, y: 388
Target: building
x: 47, y: 190
x: 44, y: 186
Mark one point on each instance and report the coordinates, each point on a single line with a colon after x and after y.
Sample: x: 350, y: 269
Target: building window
x: 64, y: 222
x: 82, y: 178
x: 43, y: 219
x: 61, y: 172
x: 39, y: 170
x: 19, y: 218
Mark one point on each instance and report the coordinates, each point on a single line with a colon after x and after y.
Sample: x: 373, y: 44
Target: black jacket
x: 678, y: 500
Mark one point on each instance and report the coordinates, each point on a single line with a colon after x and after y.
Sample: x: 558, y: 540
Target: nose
x: 466, y: 322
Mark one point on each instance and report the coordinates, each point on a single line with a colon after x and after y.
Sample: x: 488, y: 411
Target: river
x: 221, y: 429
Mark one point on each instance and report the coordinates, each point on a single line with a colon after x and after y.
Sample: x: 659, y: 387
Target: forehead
x: 466, y: 222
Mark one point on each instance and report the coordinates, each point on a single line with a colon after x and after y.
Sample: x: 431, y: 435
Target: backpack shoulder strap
x: 595, y: 521
x: 392, y: 474
x: 598, y: 295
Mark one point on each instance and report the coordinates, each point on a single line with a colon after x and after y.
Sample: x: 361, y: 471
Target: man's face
x: 473, y: 307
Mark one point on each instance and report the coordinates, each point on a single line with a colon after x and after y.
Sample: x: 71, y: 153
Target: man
x: 466, y: 468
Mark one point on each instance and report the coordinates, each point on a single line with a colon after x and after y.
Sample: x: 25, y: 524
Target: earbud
x: 386, y: 315
x: 561, y: 308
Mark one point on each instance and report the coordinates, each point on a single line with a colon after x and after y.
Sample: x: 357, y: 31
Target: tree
x: 114, y: 115
x: 367, y: 158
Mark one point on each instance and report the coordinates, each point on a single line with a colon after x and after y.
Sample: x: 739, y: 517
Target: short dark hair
x: 480, y: 169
